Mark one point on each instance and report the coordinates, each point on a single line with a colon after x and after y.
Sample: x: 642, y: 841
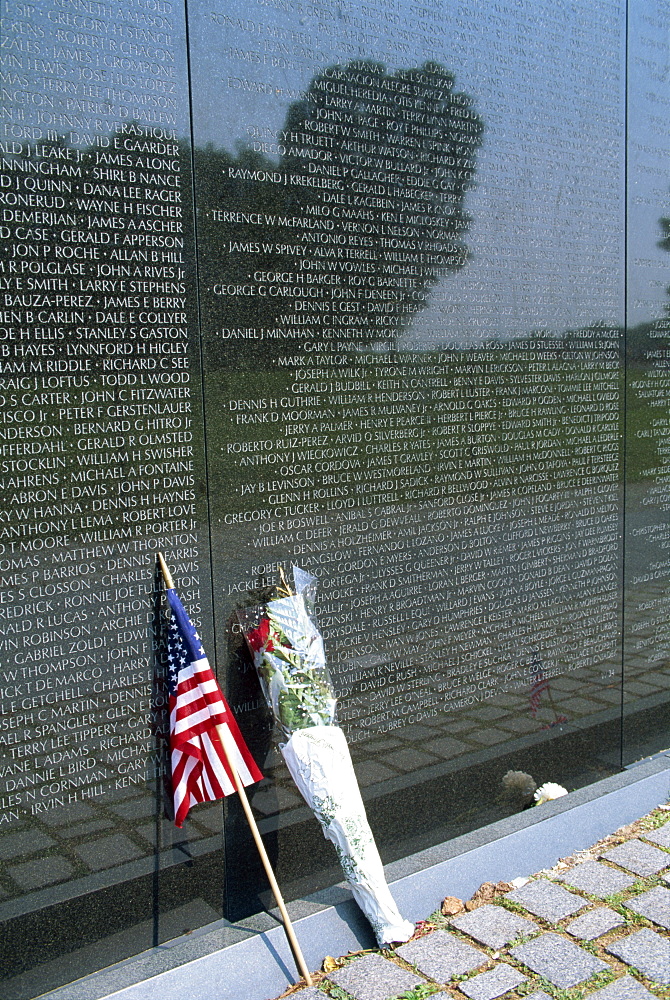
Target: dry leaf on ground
x: 451, y: 905
x: 486, y: 893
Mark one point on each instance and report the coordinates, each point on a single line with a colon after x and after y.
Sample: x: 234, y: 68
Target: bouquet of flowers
x: 288, y: 653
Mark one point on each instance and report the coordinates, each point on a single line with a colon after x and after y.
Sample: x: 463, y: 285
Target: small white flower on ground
x: 548, y: 791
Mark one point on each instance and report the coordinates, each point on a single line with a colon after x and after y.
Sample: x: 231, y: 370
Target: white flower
x: 548, y: 791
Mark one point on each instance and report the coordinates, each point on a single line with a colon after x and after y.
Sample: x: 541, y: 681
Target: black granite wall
x: 379, y: 289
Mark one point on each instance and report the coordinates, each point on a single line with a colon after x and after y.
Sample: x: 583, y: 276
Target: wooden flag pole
x: 169, y: 582
x: 253, y: 826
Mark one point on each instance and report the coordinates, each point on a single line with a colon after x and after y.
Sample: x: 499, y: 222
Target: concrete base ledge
x: 260, y: 965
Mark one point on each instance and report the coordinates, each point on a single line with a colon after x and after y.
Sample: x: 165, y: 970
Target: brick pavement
x: 595, y: 926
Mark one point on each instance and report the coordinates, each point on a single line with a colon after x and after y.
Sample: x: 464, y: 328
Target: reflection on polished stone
x: 344, y: 287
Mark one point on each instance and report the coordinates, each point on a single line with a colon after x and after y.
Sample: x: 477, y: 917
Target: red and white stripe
x: 200, y: 771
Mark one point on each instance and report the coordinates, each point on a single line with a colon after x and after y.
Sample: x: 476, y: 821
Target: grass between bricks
x: 655, y: 819
x: 632, y: 922
x: 419, y: 992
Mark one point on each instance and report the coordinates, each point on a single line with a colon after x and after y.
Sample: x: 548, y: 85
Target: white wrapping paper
x: 320, y: 764
x: 288, y: 654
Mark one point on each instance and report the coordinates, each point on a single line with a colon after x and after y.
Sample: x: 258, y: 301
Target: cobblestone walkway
x: 597, y: 925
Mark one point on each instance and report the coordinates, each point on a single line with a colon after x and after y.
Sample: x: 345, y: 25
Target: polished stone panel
x: 375, y: 375
x: 102, y: 464
x: 647, y: 526
x: 340, y: 285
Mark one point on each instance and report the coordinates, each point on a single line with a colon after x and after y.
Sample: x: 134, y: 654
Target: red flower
x: 259, y: 638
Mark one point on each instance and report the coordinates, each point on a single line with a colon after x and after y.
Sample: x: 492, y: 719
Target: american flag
x: 200, y: 772
x: 539, y: 685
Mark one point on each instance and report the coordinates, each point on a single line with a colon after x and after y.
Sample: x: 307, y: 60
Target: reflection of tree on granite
x: 645, y: 404
x: 664, y: 244
x: 359, y: 218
